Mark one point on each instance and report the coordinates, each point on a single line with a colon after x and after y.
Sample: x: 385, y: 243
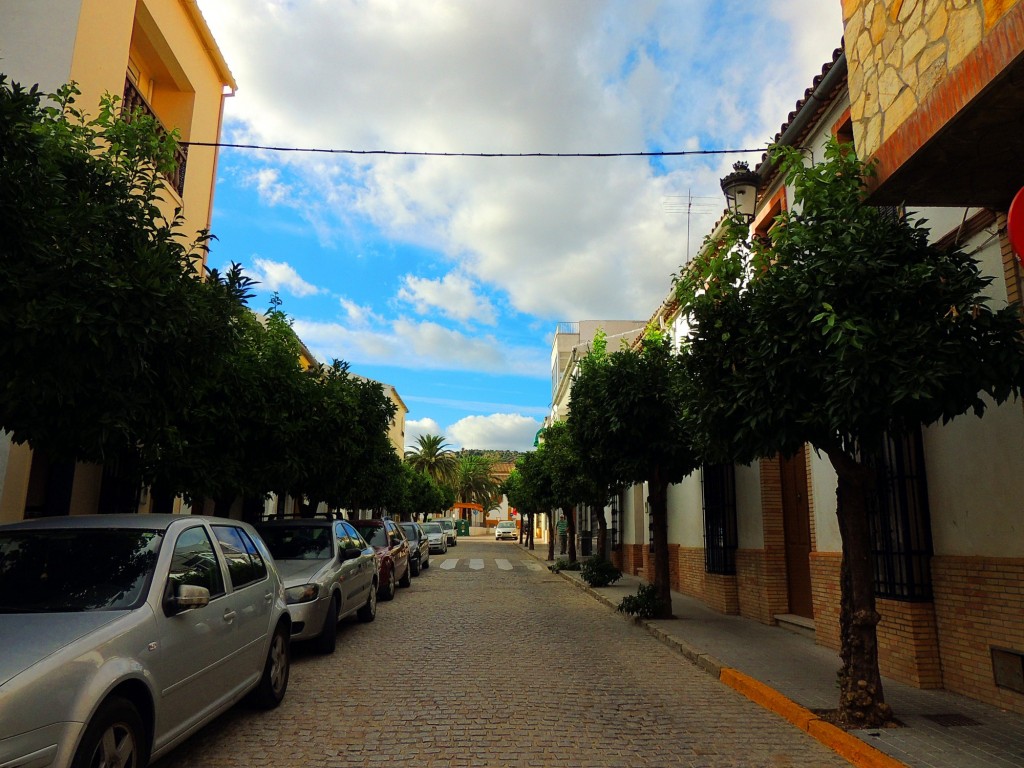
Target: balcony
x: 134, y: 100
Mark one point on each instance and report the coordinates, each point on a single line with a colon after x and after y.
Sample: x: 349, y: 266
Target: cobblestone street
x: 494, y: 661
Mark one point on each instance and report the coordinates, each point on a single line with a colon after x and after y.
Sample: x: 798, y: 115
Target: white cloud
x: 415, y: 428
x: 499, y: 431
x: 279, y: 275
x: 409, y: 344
x: 359, y: 315
x: 563, y: 239
x: 452, y: 296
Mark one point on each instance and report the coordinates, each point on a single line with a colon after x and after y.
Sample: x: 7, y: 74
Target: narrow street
x: 490, y: 660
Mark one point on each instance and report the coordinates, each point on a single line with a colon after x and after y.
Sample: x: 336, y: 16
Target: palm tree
x: 434, y: 458
x: 474, y: 482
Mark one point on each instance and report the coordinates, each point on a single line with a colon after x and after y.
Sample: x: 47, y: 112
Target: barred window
x: 718, y: 485
x: 616, y: 540
x: 900, y: 522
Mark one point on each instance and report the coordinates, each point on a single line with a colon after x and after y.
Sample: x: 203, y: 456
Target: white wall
x: 749, y: 515
x: 686, y: 512
x: 37, y: 41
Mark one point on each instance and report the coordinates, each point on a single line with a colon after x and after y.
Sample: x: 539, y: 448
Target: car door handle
x: 268, y: 598
x: 229, y: 616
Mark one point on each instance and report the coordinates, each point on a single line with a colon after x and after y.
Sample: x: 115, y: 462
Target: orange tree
x: 847, y: 326
x: 629, y: 421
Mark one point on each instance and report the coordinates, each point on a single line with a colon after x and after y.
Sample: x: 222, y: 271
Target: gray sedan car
x: 329, y: 573
x: 123, y: 635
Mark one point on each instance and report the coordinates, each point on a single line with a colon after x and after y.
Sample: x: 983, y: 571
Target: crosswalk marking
x: 480, y: 564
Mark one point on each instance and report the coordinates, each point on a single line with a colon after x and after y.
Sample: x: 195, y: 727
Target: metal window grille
x: 718, y: 485
x: 900, y: 522
x: 616, y: 516
x: 650, y: 527
x: 132, y: 99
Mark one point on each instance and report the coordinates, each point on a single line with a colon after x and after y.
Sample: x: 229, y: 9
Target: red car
x: 392, y: 550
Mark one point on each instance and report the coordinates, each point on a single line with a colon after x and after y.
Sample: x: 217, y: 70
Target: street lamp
x: 740, y: 188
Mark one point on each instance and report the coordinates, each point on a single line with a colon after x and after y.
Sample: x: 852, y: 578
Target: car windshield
x: 506, y: 524
x: 75, y: 569
x: 410, y: 531
x: 432, y: 528
x: 374, y: 534
x: 300, y: 542
x: 447, y: 524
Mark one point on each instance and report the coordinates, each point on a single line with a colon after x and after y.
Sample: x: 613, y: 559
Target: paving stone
x: 493, y: 667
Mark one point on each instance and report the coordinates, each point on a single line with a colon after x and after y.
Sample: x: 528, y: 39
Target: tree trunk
x: 551, y: 535
x: 861, y: 698
x: 658, y: 499
x: 571, y: 518
x: 529, y: 532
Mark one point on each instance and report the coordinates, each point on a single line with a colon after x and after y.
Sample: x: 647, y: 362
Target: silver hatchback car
x: 125, y: 634
x: 329, y: 573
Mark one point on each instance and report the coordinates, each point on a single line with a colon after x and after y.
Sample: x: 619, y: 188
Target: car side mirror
x: 184, y: 597
x: 350, y: 554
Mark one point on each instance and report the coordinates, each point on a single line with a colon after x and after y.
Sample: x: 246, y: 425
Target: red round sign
x: 1015, y: 224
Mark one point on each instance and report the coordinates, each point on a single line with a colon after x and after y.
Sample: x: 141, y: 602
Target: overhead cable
x: 680, y: 153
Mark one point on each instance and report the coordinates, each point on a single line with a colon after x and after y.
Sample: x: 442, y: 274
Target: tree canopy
x: 845, y: 326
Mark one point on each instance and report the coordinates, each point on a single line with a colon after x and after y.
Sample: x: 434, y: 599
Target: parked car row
x: 125, y: 634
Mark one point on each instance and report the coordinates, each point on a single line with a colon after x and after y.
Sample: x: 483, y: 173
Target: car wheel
x: 369, y: 611
x: 328, y: 639
x: 115, y: 736
x: 426, y: 563
x: 414, y: 566
x: 389, y: 586
x: 271, y: 689
x: 406, y: 580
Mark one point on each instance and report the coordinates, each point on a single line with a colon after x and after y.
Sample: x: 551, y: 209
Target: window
x: 245, y: 565
x: 342, y: 537
x: 900, y: 521
x: 718, y: 486
x: 354, y: 535
x: 195, y: 562
x: 616, y: 540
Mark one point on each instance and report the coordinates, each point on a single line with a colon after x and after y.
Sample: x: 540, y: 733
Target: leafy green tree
x: 432, y: 456
x: 529, y: 488
x: 474, y: 482
x: 103, y: 314
x: 847, y: 326
x: 629, y: 422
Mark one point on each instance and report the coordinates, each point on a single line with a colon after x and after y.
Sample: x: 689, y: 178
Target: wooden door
x: 796, y: 520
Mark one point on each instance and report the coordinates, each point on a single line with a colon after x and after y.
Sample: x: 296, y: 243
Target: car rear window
x: 76, y: 569
x: 374, y: 534
x: 299, y: 542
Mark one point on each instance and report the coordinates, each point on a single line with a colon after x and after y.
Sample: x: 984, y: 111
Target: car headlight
x: 302, y: 594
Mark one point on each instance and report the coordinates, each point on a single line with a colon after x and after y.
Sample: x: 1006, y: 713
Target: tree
x: 529, y: 488
x: 103, y: 313
x: 473, y: 482
x: 629, y: 420
x: 432, y: 456
x: 845, y: 327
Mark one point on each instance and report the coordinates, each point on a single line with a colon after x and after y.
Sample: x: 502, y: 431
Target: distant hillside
x: 503, y: 456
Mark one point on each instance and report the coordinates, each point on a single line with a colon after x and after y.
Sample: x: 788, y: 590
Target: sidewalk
x: 789, y: 674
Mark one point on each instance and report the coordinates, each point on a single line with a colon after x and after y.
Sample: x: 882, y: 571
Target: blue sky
x: 445, y: 276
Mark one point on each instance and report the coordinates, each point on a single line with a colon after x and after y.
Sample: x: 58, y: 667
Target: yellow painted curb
x: 839, y: 741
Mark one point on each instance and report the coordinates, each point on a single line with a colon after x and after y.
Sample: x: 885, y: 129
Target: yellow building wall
x: 183, y: 77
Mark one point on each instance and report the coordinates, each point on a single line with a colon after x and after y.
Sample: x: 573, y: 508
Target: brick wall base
x: 825, y: 597
x: 979, y: 603
x: 752, y: 585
